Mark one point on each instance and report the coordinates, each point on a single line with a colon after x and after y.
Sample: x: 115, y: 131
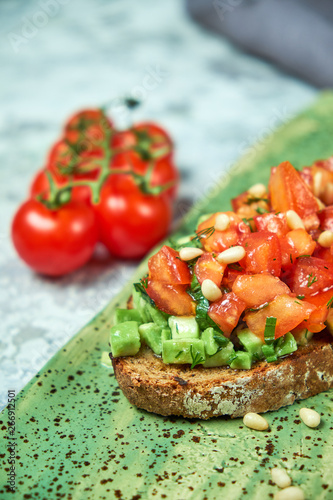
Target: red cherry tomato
x: 130, y: 222
x: 87, y: 117
x: 54, y: 242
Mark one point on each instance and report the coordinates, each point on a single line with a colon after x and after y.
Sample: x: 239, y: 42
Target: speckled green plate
x: 77, y: 437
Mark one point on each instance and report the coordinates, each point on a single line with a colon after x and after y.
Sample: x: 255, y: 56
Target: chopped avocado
x: 251, y: 343
x: 125, y: 339
x: 190, y: 351
x: 213, y: 340
x: 221, y: 357
x: 140, y: 304
x: 127, y: 315
x: 157, y: 316
x: 242, y: 360
x: 303, y: 336
x: 285, y: 345
x: 183, y: 327
x: 166, y: 334
x: 151, y: 335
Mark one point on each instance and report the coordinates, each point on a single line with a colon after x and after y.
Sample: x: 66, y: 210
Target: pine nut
x: 320, y: 204
x: 210, y: 290
x: 294, y: 221
x: 291, y: 493
x: 327, y: 196
x: 231, y: 255
x: 255, y: 421
x: 189, y: 253
x: 326, y: 239
x: 257, y: 190
x: 310, y: 417
x: 317, y: 180
x: 280, y: 477
x: 222, y: 221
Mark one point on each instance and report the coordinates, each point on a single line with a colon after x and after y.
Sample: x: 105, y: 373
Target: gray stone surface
x: 59, y: 55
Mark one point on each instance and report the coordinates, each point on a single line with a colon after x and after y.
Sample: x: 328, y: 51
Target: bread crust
x: 211, y: 392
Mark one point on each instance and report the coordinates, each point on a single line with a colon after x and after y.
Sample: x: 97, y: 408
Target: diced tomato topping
x: 288, y: 191
x: 239, y: 201
x: 310, y: 275
x: 321, y: 300
x: 221, y: 240
x: 274, y: 223
x: 257, y: 289
x: 230, y: 275
x: 166, y: 267
x: 326, y: 218
x: 288, y: 311
x: 297, y: 242
x: 263, y: 254
x: 207, y: 267
x: 327, y: 164
x: 323, y: 253
x: 171, y: 299
x: 226, y: 312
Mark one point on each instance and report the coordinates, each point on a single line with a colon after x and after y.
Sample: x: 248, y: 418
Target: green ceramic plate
x: 77, y: 437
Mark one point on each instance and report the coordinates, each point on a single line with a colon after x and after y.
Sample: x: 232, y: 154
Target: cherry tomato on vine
x: 54, y: 242
x: 146, y: 135
x: 163, y: 171
x: 85, y: 118
x: 40, y: 185
x: 130, y: 222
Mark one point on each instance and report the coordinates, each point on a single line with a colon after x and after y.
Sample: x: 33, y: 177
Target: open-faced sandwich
x: 237, y: 317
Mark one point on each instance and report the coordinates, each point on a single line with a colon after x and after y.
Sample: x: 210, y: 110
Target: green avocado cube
x: 251, y: 343
x: 221, y: 357
x: 183, y: 351
x: 122, y: 315
x: 151, y: 335
x: 125, y: 339
x: 241, y: 361
x: 183, y: 327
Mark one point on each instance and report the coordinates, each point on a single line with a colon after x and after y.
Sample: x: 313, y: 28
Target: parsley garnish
x: 248, y: 223
x: 202, y: 305
x: 196, y: 358
x: 220, y: 339
x: 300, y: 297
x: 261, y: 210
x: 177, y: 355
x: 253, y: 199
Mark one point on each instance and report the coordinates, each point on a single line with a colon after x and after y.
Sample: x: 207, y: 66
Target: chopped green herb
x: 296, y: 302
x: 179, y: 353
x: 261, y: 210
x: 235, y: 267
x: 196, y: 358
x: 330, y: 303
x: 247, y: 222
x: 140, y: 288
x: 253, y: 199
x: 269, y: 333
x: 311, y: 279
x: 303, y: 255
x: 202, y: 305
x: 220, y: 339
x: 291, y: 258
x: 301, y: 297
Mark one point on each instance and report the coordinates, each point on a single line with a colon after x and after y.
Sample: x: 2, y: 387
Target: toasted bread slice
x: 211, y: 392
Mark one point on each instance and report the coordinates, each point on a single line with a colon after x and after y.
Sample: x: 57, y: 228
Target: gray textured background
x: 215, y: 101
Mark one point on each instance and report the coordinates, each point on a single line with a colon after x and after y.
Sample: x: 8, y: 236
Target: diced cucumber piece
x: 285, y: 345
x: 221, y: 358
x: 183, y: 327
x: 125, y: 339
x: 241, y: 361
x: 166, y: 334
x: 151, y: 335
x: 122, y: 315
x: 269, y: 353
x: 183, y: 351
x: 251, y: 343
